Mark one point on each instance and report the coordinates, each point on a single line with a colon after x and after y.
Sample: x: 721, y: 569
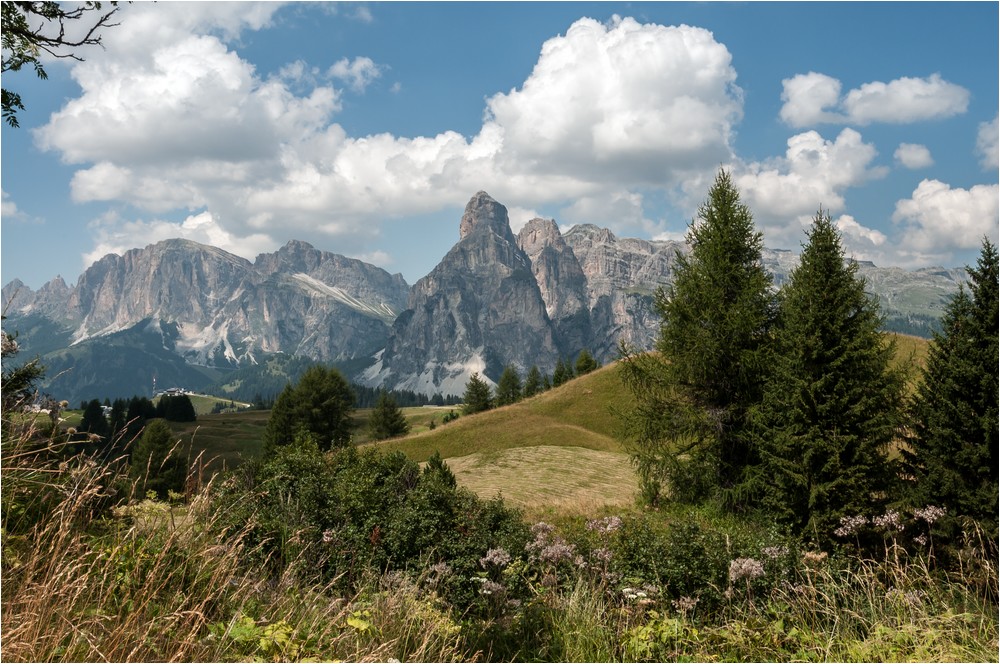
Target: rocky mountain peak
x: 538, y: 233
x: 484, y: 213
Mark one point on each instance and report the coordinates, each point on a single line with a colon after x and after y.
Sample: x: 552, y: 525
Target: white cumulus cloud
x: 623, y: 101
x: 785, y: 193
x: 115, y: 235
x: 938, y: 219
x: 814, y: 98
x: 986, y: 145
x: 358, y: 73
x: 913, y: 156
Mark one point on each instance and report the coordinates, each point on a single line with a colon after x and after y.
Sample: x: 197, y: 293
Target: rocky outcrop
x: 479, y: 309
x: 227, y: 310
x: 562, y: 283
x: 622, y: 277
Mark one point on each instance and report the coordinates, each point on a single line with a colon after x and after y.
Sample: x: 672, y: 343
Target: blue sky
x: 365, y: 128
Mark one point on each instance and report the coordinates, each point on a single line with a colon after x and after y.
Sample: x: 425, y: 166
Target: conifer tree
x: 320, y: 403
x: 533, y: 382
x: 477, y: 396
x: 156, y: 463
x: 93, y: 420
x: 833, y: 404
x: 688, y: 431
x: 387, y: 420
x: 508, y: 387
x: 559, y: 374
x: 585, y: 363
x: 954, y: 444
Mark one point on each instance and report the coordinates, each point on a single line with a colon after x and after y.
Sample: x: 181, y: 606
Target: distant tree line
x: 510, y: 389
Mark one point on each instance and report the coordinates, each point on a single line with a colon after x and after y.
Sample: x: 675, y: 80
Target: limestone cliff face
x: 622, y: 276
x: 494, y: 299
x: 226, y: 309
x: 477, y: 311
x: 562, y: 283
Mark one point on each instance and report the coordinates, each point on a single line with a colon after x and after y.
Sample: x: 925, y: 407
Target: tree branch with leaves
x: 32, y: 30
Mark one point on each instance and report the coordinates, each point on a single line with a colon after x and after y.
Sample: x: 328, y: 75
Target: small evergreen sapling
x: 477, y: 396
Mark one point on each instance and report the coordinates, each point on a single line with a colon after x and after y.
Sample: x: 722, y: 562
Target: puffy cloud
x: 115, y: 235
x: 913, y: 156
x: 814, y: 98
x: 172, y: 118
x: 8, y: 208
x: 621, y: 211
x: 938, y: 219
x: 854, y: 234
x: 986, y: 145
x: 358, y: 73
x: 806, y: 97
x: 785, y: 193
x: 622, y: 101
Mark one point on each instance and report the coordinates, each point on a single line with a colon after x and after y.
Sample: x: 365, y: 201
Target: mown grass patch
x: 569, y: 479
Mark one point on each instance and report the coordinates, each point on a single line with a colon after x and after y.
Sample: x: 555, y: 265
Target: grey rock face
x: 622, y: 276
x: 297, y: 300
x: 477, y: 311
x: 561, y: 282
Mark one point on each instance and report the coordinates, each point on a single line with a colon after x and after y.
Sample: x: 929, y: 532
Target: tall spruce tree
x: 833, y: 404
x: 477, y: 396
x: 508, y: 387
x: 953, y: 455
x: 387, y: 420
x: 688, y: 432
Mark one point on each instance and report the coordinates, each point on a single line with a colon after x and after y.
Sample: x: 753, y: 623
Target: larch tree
x: 953, y: 449
x: 833, y: 404
x: 687, y: 434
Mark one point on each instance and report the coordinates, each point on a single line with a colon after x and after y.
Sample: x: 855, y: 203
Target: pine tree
x: 508, y: 387
x: 688, y: 432
x: 954, y: 444
x: 320, y: 404
x: 387, y: 420
x: 533, y: 382
x: 832, y: 407
x: 477, y: 396
x: 156, y: 462
x: 585, y: 363
x: 559, y: 375
x: 93, y: 420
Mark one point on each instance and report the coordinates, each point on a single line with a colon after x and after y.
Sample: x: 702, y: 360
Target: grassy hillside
x: 556, y: 449
x: 577, y: 414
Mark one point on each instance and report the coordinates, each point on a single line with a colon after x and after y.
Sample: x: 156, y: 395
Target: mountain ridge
x: 494, y: 299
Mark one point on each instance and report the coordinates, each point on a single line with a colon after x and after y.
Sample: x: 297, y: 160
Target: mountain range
x: 187, y: 314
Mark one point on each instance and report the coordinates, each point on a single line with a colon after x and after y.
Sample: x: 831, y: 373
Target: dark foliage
x: 953, y: 455
x: 832, y: 405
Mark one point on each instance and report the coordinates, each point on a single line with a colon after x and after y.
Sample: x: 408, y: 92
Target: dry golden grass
x: 568, y: 479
